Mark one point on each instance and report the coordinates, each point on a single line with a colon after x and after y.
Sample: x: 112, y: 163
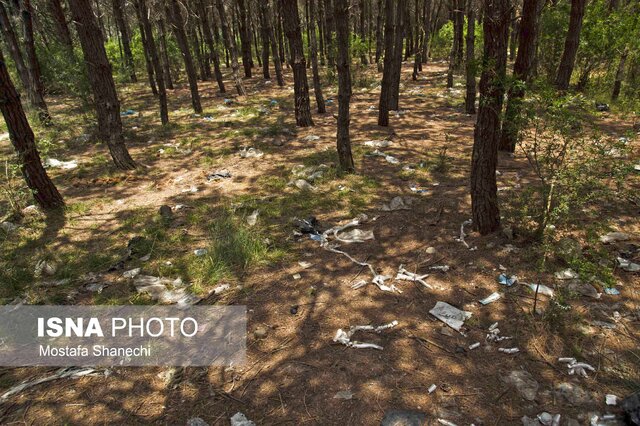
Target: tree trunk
x: 165, y: 55
x: 363, y: 35
x: 102, y: 85
x: 387, y: 74
x: 245, y: 38
x: 427, y: 31
x: 147, y: 59
x: 379, y: 40
x: 208, y: 39
x: 22, y: 138
x: 265, y: 9
x: 455, y: 56
x: 570, y: 45
x: 264, y: 35
x: 470, y: 98
x: 230, y: 44
x: 143, y: 14
x: 527, y: 40
x: 328, y: 34
x: 396, y: 69
x: 118, y: 15
x: 175, y: 18
x: 617, y: 85
x: 484, y: 194
x: 33, y: 66
x: 298, y: 63
x: 60, y: 22
x: 192, y: 33
x: 317, y: 90
x: 345, y: 158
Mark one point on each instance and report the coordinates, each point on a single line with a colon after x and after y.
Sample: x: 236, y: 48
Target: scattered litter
x: 127, y: 113
x: 474, y: 346
x: 450, y: 315
x: 584, y: 289
x: 542, y: 289
x: 252, y: 219
x: 612, y: 291
x: 131, y: 273
x: 221, y: 289
x: 309, y: 225
x: 346, y: 395
x: 508, y: 281
x: 614, y: 237
x: 73, y: 372
x: 304, y: 185
x: 191, y: 189
x: 441, y: 268
x: 344, y: 337
x: 567, y: 274
x: 509, y: 350
x: 359, y: 284
x: 200, y: 252
x: 309, y: 173
x: 354, y: 236
x: 636, y: 167
x: 219, y: 174
x: 462, y: 234
x: 432, y: 388
x: 602, y: 107
x: 627, y: 265
x: 250, y: 153
x: 548, y: 419
x: 446, y: 422
x: 156, y: 287
x: 238, y: 418
x: 389, y: 158
x: 378, y: 143
x: 310, y: 138
x: 611, y: 399
x: 576, y: 367
x: 305, y: 265
x: 398, y: 203
x: 296, y: 276
x: 8, y: 227
x: 405, y: 275
x: 494, y: 334
x: 44, y: 268
x: 57, y: 164
x: 415, y: 188
x: 196, y: 421
x: 491, y: 298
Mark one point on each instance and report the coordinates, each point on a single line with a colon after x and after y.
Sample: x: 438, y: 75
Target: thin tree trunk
x: 208, y: 39
x: 165, y: 55
x: 345, y: 158
x: 118, y: 15
x: 143, y: 14
x: 394, y: 102
x: 102, y: 85
x: 571, y: 45
x: 484, y: 160
x: 175, y: 18
x: 387, y: 74
x: 522, y: 69
x: 23, y: 140
x: 617, y: 85
x: 60, y: 22
x: 427, y: 31
x: 298, y: 62
x: 379, y: 39
x: 470, y: 98
x: 265, y: 9
x: 328, y: 35
x: 245, y: 38
x: 230, y: 44
x: 33, y: 66
x: 147, y: 59
x: 264, y: 35
x: 363, y: 35
x: 317, y: 89
x: 200, y: 60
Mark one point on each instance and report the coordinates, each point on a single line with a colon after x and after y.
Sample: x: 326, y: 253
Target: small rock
x: 584, y: 289
x: 507, y: 232
x: 524, y: 382
x: 430, y: 250
x: 528, y: 421
x: 240, y: 419
x: 166, y: 213
x: 573, y: 394
x: 196, y: 421
x: 260, y: 332
x: 346, y: 394
x: 403, y: 418
x: 613, y: 237
x: 294, y: 310
x: 446, y: 331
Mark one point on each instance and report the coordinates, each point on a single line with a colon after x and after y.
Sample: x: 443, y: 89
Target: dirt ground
x: 292, y: 374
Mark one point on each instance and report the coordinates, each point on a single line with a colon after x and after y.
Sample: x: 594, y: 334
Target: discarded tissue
x: 344, y: 337
x: 450, y: 315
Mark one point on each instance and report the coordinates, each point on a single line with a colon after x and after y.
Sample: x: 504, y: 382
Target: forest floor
x: 294, y: 370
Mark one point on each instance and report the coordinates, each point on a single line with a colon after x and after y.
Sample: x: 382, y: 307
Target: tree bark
x: 298, y: 62
x: 165, y: 55
x: 60, y: 22
x: 268, y: 19
x: 470, y: 98
x: 147, y: 59
x: 427, y: 31
x: 617, y: 85
x: 177, y: 22
x: 527, y: 40
x: 387, y: 74
x: 570, y: 45
x: 264, y: 35
x: 394, y: 99
x: 23, y: 140
x: 230, y: 44
x: 33, y: 66
x: 118, y: 15
x: 102, y: 85
x: 143, y: 14
x: 208, y: 39
x: 484, y: 194
x: 245, y: 38
x: 317, y: 89
x: 379, y: 39
x: 345, y: 158
x: 363, y: 35
x: 328, y: 33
